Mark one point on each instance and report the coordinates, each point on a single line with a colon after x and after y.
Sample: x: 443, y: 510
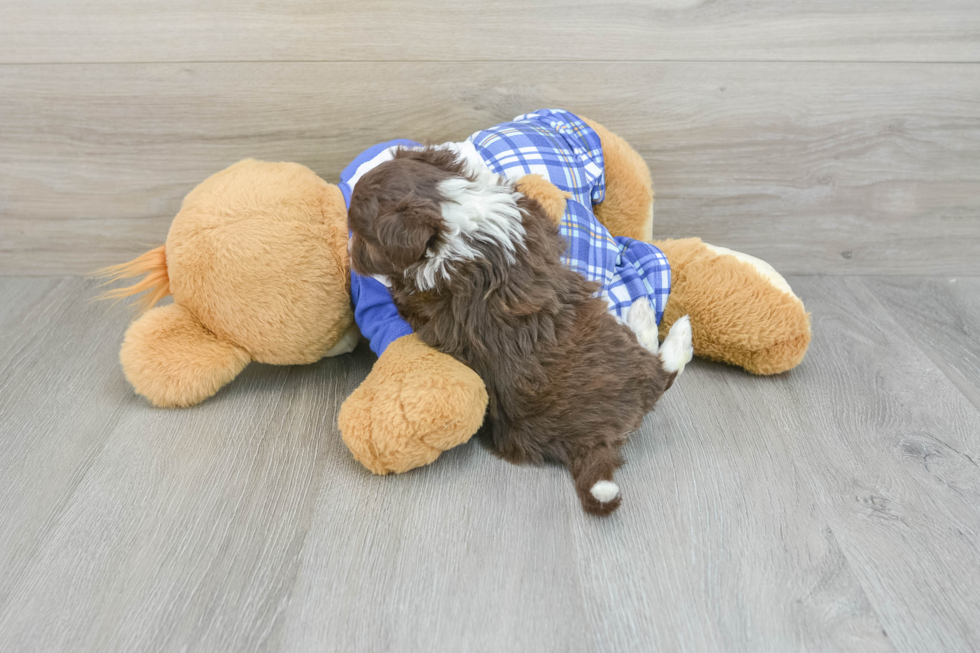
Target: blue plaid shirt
x: 563, y: 149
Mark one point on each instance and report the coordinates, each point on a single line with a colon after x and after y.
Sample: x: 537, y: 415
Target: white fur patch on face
x: 482, y: 210
x: 466, y: 152
x: 677, y: 350
x: 604, y: 491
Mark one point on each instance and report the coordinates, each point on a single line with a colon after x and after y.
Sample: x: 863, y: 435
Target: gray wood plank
x: 889, y: 445
x: 199, y: 528
x: 469, y: 554
x: 817, y: 168
x: 60, y: 395
x: 831, y: 508
x: 508, y: 30
x: 184, y: 529
x: 942, y: 315
x: 731, y: 534
x: 18, y: 297
x: 721, y: 544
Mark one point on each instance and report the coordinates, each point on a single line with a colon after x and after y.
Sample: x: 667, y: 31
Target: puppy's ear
x: 406, y: 234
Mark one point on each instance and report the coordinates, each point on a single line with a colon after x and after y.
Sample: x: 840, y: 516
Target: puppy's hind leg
x: 642, y: 319
x: 593, y: 470
x: 677, y: 350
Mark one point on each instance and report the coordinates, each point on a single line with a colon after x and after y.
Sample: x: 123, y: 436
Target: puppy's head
x: 395, y: 216
x: 417, y: 216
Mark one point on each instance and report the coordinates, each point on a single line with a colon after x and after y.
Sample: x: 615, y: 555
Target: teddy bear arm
x: 172, y: 360
x: 742, y: 311
x: 549, y: 196
x: 415, y: 404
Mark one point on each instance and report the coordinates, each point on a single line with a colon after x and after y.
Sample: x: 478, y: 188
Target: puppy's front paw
x: 678, y: 348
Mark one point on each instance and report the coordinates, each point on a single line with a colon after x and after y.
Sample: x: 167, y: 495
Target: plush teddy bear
x: 256, y: 262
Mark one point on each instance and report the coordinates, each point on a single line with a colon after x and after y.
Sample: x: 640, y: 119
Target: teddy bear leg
x: 415, y: 404
x: 627, y: 209
x: 172, y: 360
x: 742, y: 311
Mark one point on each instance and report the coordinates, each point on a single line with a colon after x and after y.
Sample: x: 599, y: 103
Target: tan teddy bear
x: 256, y: 262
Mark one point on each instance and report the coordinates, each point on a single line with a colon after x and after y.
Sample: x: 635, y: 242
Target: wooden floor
x: 836, y: 507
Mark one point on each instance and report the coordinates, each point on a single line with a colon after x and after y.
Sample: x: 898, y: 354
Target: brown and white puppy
x: 475, y: 268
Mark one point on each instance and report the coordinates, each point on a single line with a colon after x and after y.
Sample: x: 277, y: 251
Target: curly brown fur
x: 566, y: 382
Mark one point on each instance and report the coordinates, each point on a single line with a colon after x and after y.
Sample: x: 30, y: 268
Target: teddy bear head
x: 257, y: 264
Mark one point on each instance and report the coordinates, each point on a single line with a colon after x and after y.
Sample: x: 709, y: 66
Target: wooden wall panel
x: 40, y: 31
x: 817, y: 167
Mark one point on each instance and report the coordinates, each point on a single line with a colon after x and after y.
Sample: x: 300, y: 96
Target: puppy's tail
x: 593, y: 470
x: 155, y: 283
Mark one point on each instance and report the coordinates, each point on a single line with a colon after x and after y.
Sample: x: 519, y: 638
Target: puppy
x: 475, y: 269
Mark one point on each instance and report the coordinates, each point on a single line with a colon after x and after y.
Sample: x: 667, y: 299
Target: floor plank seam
x: 969, y: 392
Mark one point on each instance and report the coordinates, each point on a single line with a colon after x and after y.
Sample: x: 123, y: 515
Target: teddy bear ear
x: 172, y: 360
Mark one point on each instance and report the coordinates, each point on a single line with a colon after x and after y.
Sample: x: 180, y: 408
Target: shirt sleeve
x: 375, y: 313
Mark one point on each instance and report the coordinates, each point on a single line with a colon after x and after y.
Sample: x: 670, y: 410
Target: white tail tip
x: 605, y: 491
